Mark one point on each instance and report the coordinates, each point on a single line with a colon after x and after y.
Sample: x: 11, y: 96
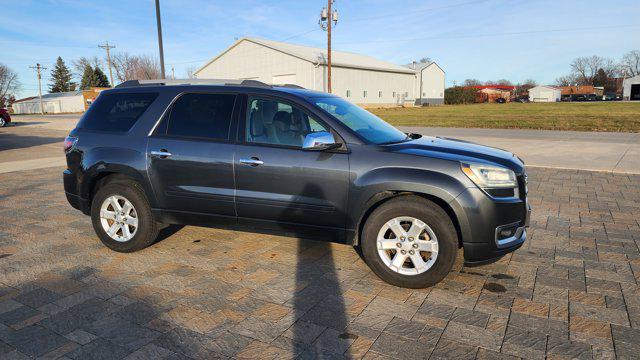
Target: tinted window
x: 116, y: 112
x: 201, y: 115
x: 277, y: 123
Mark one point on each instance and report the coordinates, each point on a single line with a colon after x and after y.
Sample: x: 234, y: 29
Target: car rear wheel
x: 122, y: 217
x: 2, y: 122
x: 410, y: 242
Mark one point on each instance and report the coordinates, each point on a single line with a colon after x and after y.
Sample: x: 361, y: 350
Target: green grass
x: 595, y: 116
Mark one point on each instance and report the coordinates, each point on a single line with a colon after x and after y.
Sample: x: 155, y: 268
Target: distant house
x: 543, y: 93
x: 57, y: 103
x: 491, y: 93
x: 631, y: 88
x: 582, y: 90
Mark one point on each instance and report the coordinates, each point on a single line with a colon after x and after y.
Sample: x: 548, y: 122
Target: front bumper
x: 479, y: 219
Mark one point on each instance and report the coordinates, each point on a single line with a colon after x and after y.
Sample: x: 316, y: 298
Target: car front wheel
x: 410, y: 241
x: 2, y: 122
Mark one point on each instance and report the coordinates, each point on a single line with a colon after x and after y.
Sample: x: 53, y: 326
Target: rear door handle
x: 162, y: 153
x: 254, y: 161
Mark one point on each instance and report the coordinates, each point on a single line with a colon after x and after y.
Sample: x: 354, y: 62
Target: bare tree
x: 585, y: 68
x: 80, y: 64
x: 191, y: 70
x: 135, y: 67
x: 630, y: 63
x: 566, y: 80
x: 471, y: 82
x: 9, y: 83
x: 500, y: 82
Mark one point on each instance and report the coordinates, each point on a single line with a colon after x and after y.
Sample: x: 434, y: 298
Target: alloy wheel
x: 407, y: 245
x: 118, y: 218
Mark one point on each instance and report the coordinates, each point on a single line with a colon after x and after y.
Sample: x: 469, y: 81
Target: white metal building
x: 543, y: 93
x: 358, y: 78
x: 631, y: 88
x: 56, y: 103
x: 429, y: 83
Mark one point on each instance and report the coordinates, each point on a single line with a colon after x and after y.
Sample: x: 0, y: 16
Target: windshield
x: 368, y: 126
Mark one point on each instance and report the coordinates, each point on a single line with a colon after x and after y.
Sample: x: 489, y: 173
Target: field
x: 596, y: 116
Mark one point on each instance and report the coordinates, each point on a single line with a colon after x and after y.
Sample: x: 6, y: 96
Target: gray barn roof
x: 318, y: 55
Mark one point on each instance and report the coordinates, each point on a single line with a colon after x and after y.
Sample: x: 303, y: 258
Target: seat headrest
x: 282, y: 120
x: 257, y: 124
x: 268, y: 109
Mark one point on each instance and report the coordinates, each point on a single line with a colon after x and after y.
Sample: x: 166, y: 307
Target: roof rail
x: 234, y: 82
x: 291, y: 86
x: 157, y: 82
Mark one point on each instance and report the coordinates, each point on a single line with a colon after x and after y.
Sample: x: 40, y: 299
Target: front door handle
x: 162, y: 153
x: 254, y: 161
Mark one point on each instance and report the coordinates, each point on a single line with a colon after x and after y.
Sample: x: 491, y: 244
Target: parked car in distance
x: 263, y: 158
x: 5, y: 118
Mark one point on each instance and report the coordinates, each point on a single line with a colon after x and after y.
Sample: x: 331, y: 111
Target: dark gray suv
x: 251, y: 156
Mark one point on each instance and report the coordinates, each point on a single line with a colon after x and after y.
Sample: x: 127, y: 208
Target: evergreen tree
x: 60, y: 77
x: 99, y: 78
x: 601, y: 78
x: 87, y: 78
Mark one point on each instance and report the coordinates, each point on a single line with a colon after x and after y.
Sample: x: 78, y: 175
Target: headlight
x: 490, y: 177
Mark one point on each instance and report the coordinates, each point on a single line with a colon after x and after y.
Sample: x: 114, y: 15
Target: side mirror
x: 318, y: 141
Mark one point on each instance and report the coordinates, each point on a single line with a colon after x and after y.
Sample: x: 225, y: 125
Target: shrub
x: 459, y: 95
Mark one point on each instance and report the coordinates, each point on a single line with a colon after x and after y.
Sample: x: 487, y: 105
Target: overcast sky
x: 486, y: 40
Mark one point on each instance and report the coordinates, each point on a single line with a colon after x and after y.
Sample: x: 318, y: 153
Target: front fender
x: 368, y: 187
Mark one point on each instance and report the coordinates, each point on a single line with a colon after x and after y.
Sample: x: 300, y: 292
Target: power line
x: 412, y: 12
x: 494, y: 34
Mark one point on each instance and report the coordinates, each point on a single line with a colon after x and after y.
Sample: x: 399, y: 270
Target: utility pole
x: 39, y: 69
x: 326, y: 18
x: 160, y: 38
x: 108, y: 47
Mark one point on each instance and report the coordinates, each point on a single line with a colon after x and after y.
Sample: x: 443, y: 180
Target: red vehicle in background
x: 4, y: 117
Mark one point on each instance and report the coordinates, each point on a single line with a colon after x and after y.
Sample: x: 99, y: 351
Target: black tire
x: 428, y: 212
x: 3, y: 122
x: 148, y: 229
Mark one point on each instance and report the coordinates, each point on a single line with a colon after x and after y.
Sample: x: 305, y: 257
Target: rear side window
x: 201, y: 116
x: 116, y: 112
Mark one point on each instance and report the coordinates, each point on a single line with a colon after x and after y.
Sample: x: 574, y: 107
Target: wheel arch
x: 102, y: 174
x: 382, y: 197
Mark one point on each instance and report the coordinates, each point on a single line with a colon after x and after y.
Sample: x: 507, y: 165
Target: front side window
x: 277, y: 123
x: 368, y: 126
x: 116, y: 112
x: 201, y: 116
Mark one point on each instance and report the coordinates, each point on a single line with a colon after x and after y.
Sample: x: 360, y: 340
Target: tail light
x: 69, y: 142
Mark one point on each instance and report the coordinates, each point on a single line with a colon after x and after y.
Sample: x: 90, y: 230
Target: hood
x: 458, y: 150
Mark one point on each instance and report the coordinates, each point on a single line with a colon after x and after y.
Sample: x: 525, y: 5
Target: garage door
x: 546, y: 95
x: 284, y: 79
x: 635, y: 92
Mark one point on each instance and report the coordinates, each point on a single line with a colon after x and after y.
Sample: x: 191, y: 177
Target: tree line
x: 84, y: 73
x: 601, y: 71
x: 125, y: 67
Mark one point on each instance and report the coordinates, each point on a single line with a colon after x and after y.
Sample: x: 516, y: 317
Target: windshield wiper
x: 397, y: 141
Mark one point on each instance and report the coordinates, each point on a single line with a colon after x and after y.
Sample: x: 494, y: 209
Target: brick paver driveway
x: 571, y: 292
